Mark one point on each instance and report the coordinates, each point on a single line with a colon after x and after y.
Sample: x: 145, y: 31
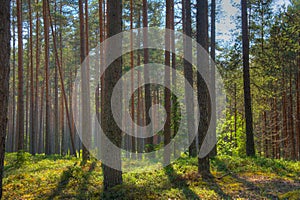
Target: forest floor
x: 57, y: 177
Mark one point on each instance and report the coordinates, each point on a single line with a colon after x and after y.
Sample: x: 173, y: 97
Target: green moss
x: 292, y: 195
x: 56, y: 177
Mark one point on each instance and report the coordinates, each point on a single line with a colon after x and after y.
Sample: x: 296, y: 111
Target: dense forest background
x: 259, y: 65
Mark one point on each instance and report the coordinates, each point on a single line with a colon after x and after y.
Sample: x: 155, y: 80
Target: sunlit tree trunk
x: 11, y: 137
x: 266, y: 135
x: 86, y: 131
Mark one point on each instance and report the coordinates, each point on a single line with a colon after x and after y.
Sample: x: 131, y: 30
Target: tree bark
x: 284, y: 136
x: 56, y: 98
x: 188, y: 72
x: 291, y: 119
x: 149, y: 140
x: 298, y: 105
x: 250, y: 150
x: 212, y: 70
x: 84, y: 81
x: 37, y: 84
x: 20, y: 109
x: 4, y: 76
x: 47, y: 76
x: 32, y: 129
x: 133, y: 139
x: 203, y: 96
x: 167, y: 125
x: 112, y: 176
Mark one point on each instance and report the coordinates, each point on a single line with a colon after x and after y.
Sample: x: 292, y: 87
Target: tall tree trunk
x: 4, y: 74
x: 149, y: 140
x: 188, y: 72
x: 32, y: 129
x: 139, y: 99
x: 27, y: 94
x: 212, y: 70
x: 20, y: 109
x: 298, y: 105
x: 250, y: 150
x: 277, y: 136
x: 112, y: 176
x: 203, y: 96
x: 284, y: 118
x: 47, y: 81
x: 62, y: 126
x: 37, y: 84
x: 291, y: 119
x: 41, y: 146
x: 69, y: 116
x: 235, y: 115
x: 100, y: 95
x: 266, y: 136
x: 13, y: 135
x: 133, y: 142
x: 85, y: 79
x: 62, y: 115
x: 56, y: 98
x: 174, y: 104
x: 167, y: 125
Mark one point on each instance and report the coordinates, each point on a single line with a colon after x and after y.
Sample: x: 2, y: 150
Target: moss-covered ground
x: 57, y: 177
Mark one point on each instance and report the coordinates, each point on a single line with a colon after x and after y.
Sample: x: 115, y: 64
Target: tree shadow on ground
x: 64, y: 180
x: 213, y: 185
x: 259, y: 188
x: 83, y: 187
x: 268, y: 188
x: 180, y: 183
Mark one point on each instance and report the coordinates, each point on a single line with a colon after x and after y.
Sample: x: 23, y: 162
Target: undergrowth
x: 57, y: 177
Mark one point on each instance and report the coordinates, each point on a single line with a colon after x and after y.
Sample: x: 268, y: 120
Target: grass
x: 56, y: 177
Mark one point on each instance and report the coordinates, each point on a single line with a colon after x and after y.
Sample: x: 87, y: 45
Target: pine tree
x: 250, y: 151
x: 188, y: 72
x: 4, y: 74
x: 20, y: 109
x: 203, y: 96
x: 112, y: 176
x: 47, y: 77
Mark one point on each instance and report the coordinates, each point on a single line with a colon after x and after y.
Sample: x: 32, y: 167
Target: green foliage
x: 231, y: 142
x: 56, y: 177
